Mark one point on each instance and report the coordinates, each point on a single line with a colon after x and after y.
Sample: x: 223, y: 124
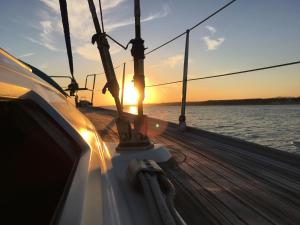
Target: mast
x: 138, y: 53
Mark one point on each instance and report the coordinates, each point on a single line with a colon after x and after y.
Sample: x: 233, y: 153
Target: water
x: 276, y: 126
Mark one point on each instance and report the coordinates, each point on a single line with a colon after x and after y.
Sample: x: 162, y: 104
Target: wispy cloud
x: 174, y: 60
x: 113, y: 25
x: 106, y: 4
x: 211, y: 29
x: 81, y: 26
x: 54, y: 5
x: 42, y: 43
x: 26, y: 55
x: 89, y: 51
x: 211, y: 42
x: 160, y: 14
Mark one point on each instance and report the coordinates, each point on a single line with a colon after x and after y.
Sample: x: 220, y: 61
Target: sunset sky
x: 247, y: 34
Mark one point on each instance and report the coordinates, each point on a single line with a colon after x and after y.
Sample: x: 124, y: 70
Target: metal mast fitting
x: 182, y: 123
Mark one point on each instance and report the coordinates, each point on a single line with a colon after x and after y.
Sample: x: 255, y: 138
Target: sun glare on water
x: 133, y: 110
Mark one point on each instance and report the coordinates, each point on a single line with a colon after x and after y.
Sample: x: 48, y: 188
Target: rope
x: 193, y: 27
x: 65, y: 22
x: 118, y: 43
x: 227, y: 74
x: 101, y: 16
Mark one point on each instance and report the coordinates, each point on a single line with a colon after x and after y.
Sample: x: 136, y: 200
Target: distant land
x: 253, y: 101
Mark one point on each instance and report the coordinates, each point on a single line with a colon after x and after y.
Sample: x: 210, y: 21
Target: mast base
x: 133, y: 139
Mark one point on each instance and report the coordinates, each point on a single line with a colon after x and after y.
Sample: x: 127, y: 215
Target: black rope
x: 101, y: 16
x: 118, y: 43
x: 193, y: 27
x: 227, y: 74
x: 65, y: 22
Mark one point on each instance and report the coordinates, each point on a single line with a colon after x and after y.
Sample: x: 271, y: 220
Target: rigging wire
x: 227, y: 74
x: 65, y: 21
x: 193, y: 27
x: 173, y: 39
x: 101, y: 16
x: 102, y: 24
x: 101, y: 73
x: 118, y: 43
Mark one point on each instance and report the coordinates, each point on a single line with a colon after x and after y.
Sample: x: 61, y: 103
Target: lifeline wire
x: 227, y: 74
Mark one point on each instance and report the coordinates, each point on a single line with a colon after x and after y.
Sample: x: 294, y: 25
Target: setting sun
x: 130, y: 94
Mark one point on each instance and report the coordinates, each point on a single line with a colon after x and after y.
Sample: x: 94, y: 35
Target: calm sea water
x: 276, y: 126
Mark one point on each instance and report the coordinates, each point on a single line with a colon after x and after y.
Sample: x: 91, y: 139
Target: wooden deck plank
x: 223, y: 152
x: 249, y: 191
x: 221, y: 180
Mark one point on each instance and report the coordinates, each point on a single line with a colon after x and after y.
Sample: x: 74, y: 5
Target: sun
x: 130, y: 94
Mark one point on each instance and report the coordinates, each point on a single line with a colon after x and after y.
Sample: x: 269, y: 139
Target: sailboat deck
x: 222, y: 180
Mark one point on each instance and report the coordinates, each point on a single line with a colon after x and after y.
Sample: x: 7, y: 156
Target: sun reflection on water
x: 133, y: 110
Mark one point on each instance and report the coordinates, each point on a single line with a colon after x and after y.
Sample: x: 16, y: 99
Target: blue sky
x: 247, y: 34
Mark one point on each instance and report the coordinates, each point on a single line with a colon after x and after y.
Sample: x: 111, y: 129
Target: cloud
x: 174, y: 60
x: 106, y: 4
x: 88, y: 51
x: 213, y: 44
x: 81, y: 25
x: 41, y: 43
x: 211, y: 29
x: 113, y: 25
x: 26, y: 55
x: 165, y: 12
x: 54, y: 5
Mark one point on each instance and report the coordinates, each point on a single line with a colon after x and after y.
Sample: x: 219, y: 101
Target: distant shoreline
x: 254, y: 101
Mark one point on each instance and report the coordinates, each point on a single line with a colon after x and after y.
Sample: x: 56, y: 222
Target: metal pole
x: 138, y: 53
x: 123, y: 81
x: 92, y: 99
x: 85, y: 85
x: 182, y: 123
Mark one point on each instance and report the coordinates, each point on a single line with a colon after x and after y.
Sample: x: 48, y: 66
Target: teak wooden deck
x: 222, y: 180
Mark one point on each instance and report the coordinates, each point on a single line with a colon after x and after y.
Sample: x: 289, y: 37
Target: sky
x: 247, y: 34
